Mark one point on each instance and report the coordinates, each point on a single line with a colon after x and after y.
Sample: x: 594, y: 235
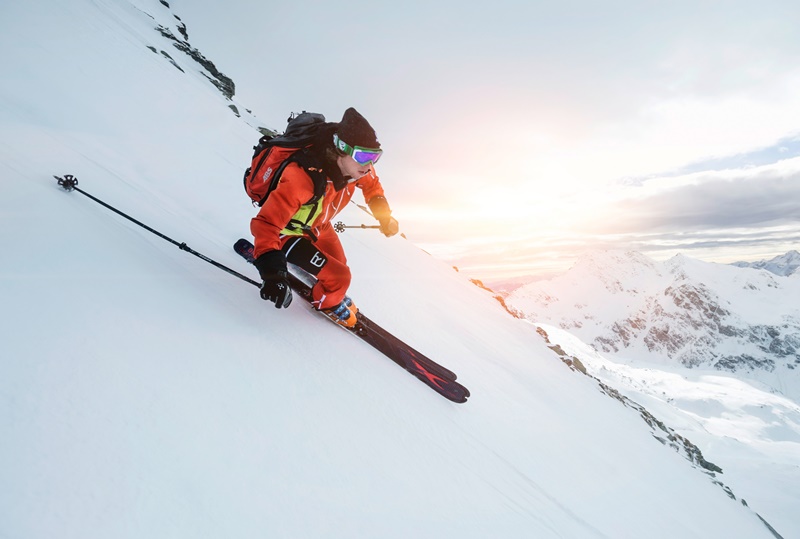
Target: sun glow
x: 502, y: 186
x: 506, y: 227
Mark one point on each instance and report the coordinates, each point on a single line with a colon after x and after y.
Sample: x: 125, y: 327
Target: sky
x: 519, y: 134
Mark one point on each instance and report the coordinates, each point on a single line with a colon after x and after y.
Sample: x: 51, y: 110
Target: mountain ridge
x: 683, y: 309
x: 783, y: 265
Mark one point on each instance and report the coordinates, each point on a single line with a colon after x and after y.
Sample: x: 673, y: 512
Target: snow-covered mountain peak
x: 609, y: 273
x: 791, y: 257
x: 783, y: 265
x: 678, y: 264
x: 615, y: 262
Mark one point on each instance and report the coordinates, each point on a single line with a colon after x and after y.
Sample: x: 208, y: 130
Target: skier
x: 288, y: 228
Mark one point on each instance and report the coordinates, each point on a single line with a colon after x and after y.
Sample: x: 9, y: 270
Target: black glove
x: 275, y: 288
x: 381, y: 211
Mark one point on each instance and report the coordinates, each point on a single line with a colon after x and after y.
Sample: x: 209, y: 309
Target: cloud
x: 756, y: 197
x: 719, y: 216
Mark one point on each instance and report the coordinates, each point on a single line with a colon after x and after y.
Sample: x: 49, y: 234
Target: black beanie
x: 355, y: 130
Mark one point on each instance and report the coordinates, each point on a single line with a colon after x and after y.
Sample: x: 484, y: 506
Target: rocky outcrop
x: 223, y: 83
x: 168, y: 25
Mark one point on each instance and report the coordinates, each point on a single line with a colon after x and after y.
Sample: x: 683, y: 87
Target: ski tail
x: 245, y: 249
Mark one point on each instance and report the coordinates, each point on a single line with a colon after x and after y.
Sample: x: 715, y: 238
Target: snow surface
x: 145, y: 393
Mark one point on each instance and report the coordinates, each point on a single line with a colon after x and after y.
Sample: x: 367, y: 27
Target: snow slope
x: 144, y: 393
x: 741, y: 425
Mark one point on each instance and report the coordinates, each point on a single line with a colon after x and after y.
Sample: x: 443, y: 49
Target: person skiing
x: 290, y: 228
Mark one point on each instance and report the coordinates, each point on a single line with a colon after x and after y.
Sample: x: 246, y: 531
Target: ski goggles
x: 363, y: 156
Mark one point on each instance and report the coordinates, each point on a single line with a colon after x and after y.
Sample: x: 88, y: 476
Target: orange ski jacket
x: 289, y: 201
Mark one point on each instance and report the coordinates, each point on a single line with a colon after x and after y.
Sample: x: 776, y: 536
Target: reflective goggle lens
x: 365, y: 157
x: 362, y: 156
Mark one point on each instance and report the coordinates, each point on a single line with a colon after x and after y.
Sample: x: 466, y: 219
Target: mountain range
x: 682, y: 310
x: 783, y: 265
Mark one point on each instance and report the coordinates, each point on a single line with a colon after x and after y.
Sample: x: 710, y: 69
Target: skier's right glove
x: 379, y: 207
x: 275, y: 288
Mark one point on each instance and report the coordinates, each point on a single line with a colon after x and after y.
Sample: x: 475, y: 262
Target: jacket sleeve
x: 371, y: 186
x: 294, y: 189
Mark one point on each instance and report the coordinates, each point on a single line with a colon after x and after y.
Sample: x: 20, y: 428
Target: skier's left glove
x: 381, y: 211
x: 275, y: 288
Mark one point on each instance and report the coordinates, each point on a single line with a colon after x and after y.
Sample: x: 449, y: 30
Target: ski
x: 432, y: 374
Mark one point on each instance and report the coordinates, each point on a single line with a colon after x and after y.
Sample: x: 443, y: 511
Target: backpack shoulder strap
x: 311, y: 164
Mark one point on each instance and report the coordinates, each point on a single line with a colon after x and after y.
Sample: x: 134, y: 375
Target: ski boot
x: 343, y: 314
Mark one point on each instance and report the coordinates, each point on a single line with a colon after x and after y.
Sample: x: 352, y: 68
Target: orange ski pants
x: 325, y: 260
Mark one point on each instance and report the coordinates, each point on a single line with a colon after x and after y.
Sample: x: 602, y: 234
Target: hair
x: 331, y: 153
x: 327, y: 153
x: 323, y: 146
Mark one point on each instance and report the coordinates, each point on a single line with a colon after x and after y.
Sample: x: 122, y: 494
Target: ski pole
x: 341, y: 227
x: 70, y: 182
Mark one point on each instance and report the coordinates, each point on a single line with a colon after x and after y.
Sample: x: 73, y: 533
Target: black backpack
x: 273, y: 153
